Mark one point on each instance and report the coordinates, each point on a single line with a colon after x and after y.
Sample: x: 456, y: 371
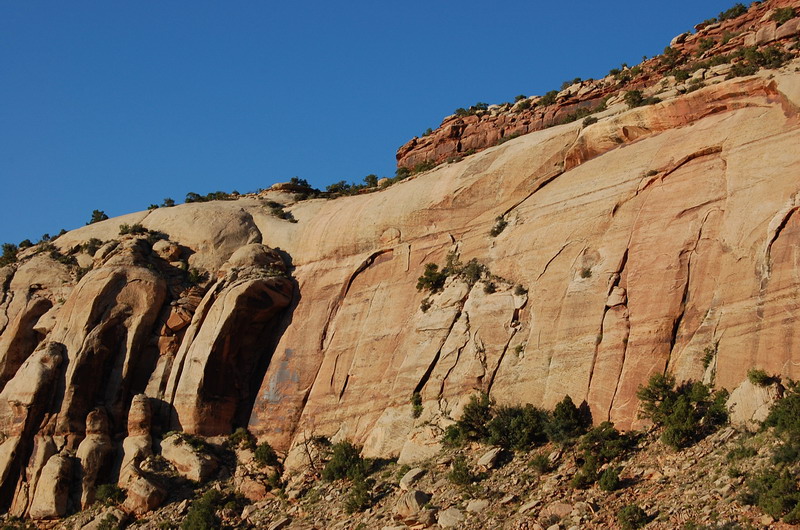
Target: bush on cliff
x: 345, y: 462
x: 687, y: 412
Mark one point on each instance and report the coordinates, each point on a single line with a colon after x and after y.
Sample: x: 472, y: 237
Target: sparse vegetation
x: 461, y: 473
x: 500, y: 224
x: 345, y: 462
x: 109, y: 494
x: 687, y: 412
x: 97, y: 216
x: 783, y: 15
x: 759, y: 377
x: 416, y: 405
x: 212, y: 196
x: 265, y: 455
x: 9, y: 254
x: 631, y: 517
x: 635, y: 98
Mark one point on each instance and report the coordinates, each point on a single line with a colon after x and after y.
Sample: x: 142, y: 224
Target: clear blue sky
x: 116, y: 105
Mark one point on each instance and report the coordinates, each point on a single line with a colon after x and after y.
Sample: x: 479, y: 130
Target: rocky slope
x: 660, y: 238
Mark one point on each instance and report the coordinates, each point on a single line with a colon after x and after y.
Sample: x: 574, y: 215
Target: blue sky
x: 117, y: 105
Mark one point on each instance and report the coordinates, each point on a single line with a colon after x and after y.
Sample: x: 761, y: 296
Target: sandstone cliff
x: 663, y: 237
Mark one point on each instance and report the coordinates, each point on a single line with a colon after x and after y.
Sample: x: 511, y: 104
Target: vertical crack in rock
x: 539, y: 185
x: 500, y: 360
x: 458, y: 351
x: 690, y: 252
x: 618, y: 276
x: 427, y: 375
x: 772, y: 236
x: 546, y: 265
x: 339, y: 299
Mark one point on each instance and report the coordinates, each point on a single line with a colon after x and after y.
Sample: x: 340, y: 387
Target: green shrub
x: 241, y: 437
x: 687, y: 412
x: 109, y: 494
x: 432, y: 279
x: 609, y: 480
x: 606, y: 443
x: 631, y: 517
x: 167, y: 202
x: 92, y: 246
x: 548, y: 99
x: 358, y: 497
x: 671, y: 57
x: 775, y: 492
x: 265, y: 455
x: 739, y: 453
x: 589, y: 121
x: 131, y: 229
x: 202, y: 512
x: 635, y: 98
x: 541, y: 463
x: 345, y: 462
x: 109, y: 522
x: 460, y: 472
x: 524, y: 105
x: 736, y: 11
x: 759, y: 377
x: 707, y: 44
x: 567, y: 421
x: 681, y: 75
x: 785, y: 413
x: 9, y: 254
x: 783, y: 15
x: 499, y: 225
x: 416, y: 405
x: 519, y: 428
x: 587, y: 475
x: 97, y: 216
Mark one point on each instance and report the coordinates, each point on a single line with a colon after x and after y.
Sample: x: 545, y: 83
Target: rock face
x: 462, y: 134
x: 659, y: 238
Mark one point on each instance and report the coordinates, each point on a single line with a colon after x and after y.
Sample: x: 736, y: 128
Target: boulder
x: 411, y: 477
x: 450, y: 518
x: 410, y: 504
x: 143, y: 494
x: 490, y: 458
x: 749, y: 404
x: 93, y: 454
x: 191, y: 463
x: 52, y: 490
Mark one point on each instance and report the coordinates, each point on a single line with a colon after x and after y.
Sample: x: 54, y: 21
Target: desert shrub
x: 416, y: 405
x: 202, y: 514
x: 92, y: 246
x: 606, y: 443
x: 212, y: 196
x: 587, y: 475
x: 759, y: 377
x: 345, y: 462
x: 775, y: 492
x: 518, y: 428
x: 708, y: 355
x: 241, y: 437
x: 167, y: 202
x: 265, y: 455
x: 358, y: 497
x: 109, y: 494
x: 9, y: 254
x: 432, y: 278
x: 134, y: 229
x: 681, y: 75
x: 109, y: 522
x: 541, y: 463
x: 739, y: 453
x: 670, y: 57
x: 589, y: 121
x: 97, y: 216
x: 707, y: 44
x: 499, y: 225
x: 567, y: 421
x: 475, y: 417
x: 196, y: 276
x: 687, y: 413
x: 453, y: 436
x: 525, y: 104
x: 635, y: 98
x: 460, y: 472
x: 489, y: 287
x: 511, y: 136
x: 784, y: 415
x: 519, y: 290
x: 736, y: 11
x: 425, y: 304
x: 609, y: 480
x: 548, y: 99
x: 631, y: 517
x: 783, y: 15
x: 25, y: 243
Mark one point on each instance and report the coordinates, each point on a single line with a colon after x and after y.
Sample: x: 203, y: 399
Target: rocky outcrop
x: 465, y: 133
x: 582, y: 259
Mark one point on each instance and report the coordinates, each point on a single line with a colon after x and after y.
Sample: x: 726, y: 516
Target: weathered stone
x: 750, y: 404
x: 143, y: 494
x: 450, y: 518
x: 192, y: 463
x: 52, y: 490
x: 477, y: 505
x: 410, y: 503
x: 489, y: 459
x: 411, y: 477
